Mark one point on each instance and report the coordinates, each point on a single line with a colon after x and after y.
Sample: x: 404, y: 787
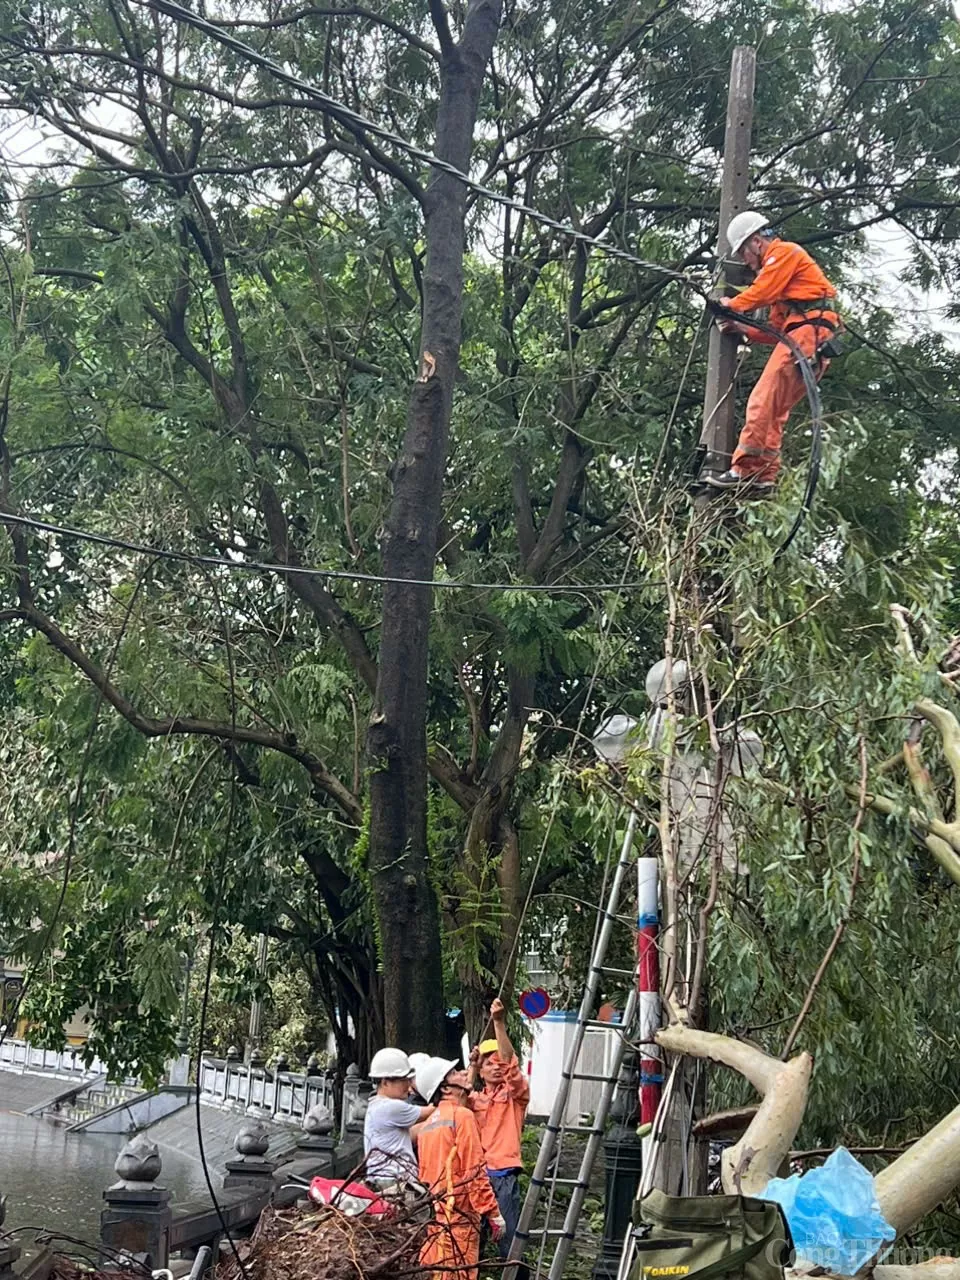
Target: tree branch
x: 748, y: 1166
x: 946, y: 724
x: 164, y: 727
x: 441, y: 24
x: 924, y: 1175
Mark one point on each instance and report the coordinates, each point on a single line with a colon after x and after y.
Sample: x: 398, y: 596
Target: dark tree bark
x: 399, y: 863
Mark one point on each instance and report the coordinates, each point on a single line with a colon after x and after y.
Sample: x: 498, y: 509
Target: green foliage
x: 289, y: 276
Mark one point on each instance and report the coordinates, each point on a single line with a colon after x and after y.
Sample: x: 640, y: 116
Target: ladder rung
x: 618, y: 973
x: 596, y: 1022
x: 595, y: 1079
x: 567, y: 1182
x: 580, y: 1128
x: 549, y: 1231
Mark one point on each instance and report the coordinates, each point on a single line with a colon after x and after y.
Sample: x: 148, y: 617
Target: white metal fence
x: 62, y: 1064
x: 276, y: 1095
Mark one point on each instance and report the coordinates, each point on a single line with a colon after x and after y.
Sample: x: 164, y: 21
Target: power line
x: 221, y: 871
x: 347, y: 575
x: 353, y: 119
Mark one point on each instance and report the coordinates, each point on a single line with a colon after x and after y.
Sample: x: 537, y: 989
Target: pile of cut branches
x: 327, y: 1244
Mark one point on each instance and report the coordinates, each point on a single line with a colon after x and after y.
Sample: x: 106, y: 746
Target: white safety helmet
x: 431, y: 1075
x: 390, y: 1064
x: 742, y: 226
x: 418, y: 1059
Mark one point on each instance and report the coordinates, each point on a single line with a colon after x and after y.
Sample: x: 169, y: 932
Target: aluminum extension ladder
x: 545, y: 1177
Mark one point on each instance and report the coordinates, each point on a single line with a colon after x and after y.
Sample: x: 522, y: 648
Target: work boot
x: 750, y: 486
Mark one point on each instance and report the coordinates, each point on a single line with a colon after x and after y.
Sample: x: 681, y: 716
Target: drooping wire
x: 812, y: 389
x: 356, y: 122
x: 220, y: 874
x: 283, y: 570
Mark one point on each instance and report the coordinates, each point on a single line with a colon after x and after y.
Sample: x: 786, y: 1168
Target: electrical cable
x: 356, y: 122
x: 359, y: 123
x: 214, y: 921
x: 345, y: 575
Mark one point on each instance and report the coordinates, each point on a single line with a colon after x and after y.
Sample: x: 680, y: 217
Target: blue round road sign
x: 534, y: 1003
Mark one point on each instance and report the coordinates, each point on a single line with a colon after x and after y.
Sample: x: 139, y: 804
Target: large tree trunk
x: 405, y: 900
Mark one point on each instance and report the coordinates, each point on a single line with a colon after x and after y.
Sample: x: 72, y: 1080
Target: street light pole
x: 255, y: 1028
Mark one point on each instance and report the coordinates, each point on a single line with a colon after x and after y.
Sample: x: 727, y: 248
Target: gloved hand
x: 716, y: 307
x: 498, y: 1227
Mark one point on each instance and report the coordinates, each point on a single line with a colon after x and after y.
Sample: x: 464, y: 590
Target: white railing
x: 276, y: 1095
x: 17, y: 1055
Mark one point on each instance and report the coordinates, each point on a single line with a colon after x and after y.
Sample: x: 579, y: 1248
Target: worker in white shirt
x: 387, y: 1141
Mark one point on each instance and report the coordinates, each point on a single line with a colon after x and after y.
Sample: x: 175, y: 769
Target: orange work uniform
x: 452, y: 1166
x: 500, y: 1113
x: 788, y: 282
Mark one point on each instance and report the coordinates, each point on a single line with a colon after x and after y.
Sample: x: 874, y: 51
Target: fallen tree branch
x: 925, y: 1174
x: 748, y: 1166
x: 725, y: 1124
x: 930, y: 832
x: 949, y: 729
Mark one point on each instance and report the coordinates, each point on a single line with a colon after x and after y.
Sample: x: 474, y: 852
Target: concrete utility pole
x: 682, y: 1164
x: 719, y: 435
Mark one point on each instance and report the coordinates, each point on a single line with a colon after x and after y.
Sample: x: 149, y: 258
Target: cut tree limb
x: 924, y: 1175
x: 748, y: 1166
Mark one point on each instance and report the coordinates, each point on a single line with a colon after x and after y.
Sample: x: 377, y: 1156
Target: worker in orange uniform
x: 452, y: 1167
x: 802, y: 304
x: 500, y: 1109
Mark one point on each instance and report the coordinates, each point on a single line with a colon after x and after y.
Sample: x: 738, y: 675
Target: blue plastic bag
x: 833, y: 1213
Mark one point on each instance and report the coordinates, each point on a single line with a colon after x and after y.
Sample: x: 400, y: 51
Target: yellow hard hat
x: 487, y: 1046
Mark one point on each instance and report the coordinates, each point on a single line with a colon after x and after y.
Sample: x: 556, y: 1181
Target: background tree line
x: 216, y: 294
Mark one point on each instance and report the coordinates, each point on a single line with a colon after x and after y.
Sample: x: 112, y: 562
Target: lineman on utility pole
x: 802, y: 304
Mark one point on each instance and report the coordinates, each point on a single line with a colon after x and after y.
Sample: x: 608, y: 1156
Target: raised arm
x: 499, y: 1016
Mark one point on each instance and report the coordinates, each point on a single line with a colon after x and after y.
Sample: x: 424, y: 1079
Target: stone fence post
x: 137, y: 1217
x: 356, y: 1096
x: 251, y: 1169
x: 317, y: 1138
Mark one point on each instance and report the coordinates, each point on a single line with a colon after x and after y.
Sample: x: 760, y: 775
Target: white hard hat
x: 390, y: 1064
x: 431, y: 1075
x: 418, y: 1059
x: 742, y: 226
